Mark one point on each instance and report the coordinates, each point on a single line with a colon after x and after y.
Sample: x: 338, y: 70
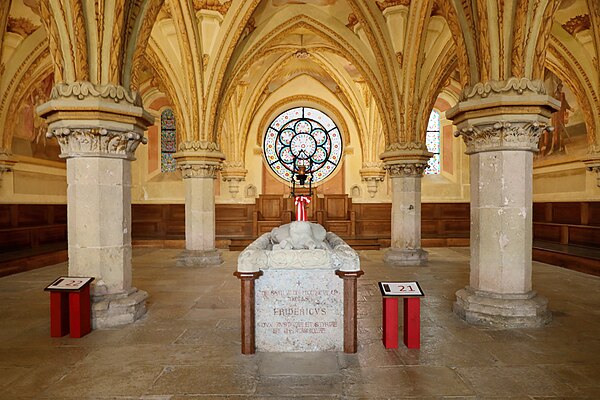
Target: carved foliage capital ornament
x: 406, y: 169
x: 408, y: 159
x: 233, y: 171
x: 372, y: 171
x: 199, y: 169
x: 199, y: 159
x: 511, y: 86
x: 6, y: 164
x: 96, y: 142
x: 592, y: 163
x: 82, y: 90
x: 198, y: 145
x: 502, y: 136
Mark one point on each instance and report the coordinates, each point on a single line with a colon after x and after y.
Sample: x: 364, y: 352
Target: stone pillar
x: 406, y: 169
x: 199, y: 163
x: 98, y: 129
x: 501, y: 126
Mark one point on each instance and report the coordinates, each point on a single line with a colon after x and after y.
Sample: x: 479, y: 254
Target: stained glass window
x: 306, y: 136
x: 168, y: 141
x: 432, y: 140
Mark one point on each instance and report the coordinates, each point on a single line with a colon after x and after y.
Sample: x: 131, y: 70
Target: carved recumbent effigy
x: 299, y: 303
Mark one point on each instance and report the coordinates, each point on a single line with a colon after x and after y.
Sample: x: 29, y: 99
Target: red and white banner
x: 301, y: 203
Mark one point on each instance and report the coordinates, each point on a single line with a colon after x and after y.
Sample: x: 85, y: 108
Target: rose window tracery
x: 303, y: 136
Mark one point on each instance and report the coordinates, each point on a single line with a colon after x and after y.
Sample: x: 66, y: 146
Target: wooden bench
x: 32, y: 236
x: 567, y: 234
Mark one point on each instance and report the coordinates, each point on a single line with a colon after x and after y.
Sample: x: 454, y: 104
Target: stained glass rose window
x: 303, y: 136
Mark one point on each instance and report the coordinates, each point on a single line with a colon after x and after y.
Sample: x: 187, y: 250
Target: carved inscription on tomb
x: 299, y: 310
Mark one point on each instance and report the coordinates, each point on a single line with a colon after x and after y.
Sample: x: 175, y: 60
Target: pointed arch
x: 356, y: 53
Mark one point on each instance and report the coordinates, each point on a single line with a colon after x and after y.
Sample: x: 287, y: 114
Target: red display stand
x: 390, y: 322
x: 70, y: 310
x: 412, y: 322
x: 411, y: 293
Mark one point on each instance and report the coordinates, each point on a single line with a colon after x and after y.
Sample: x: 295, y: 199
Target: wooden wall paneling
x: 271, y: 207
x: 429, y: 227
x: 32, y: 215
x: 584, y: 236
x: 428, y: 211
x: 51, y: 234
x: 147, y: 221
x: 336, y: 206
x: 454, y: 210
x: 5, y: 215
x: 539, y: 212
x: 373, y: 211
x: 234, y: 212
x: 175, y: 222
x: 15, y: 239
x: 547, y: 232
x: 460, y: 227
x: 566, y: 213
x: 60, y: 213
x: 594, y: 213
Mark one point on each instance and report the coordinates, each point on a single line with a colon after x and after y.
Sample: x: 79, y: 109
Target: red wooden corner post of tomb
x: 412, y: 322
x: 350, y: 310
x: 248, y: 309
x: 390, y: 322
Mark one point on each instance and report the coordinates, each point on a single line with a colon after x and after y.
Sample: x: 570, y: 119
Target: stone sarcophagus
x: 298, y: 291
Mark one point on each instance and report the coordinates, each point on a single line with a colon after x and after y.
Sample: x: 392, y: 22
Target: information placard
x: 69, y: 283
x: 407, y: 289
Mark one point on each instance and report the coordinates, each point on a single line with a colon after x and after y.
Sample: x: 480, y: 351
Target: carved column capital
x: 592, y: 163
x: 503, y: 115
x: 502, y: 135
x: 96, y: 142
x: 200, y: 169
x: 407, y: 169
x: 234, y: 173
x: 91, y: 120
x: 406, y: 159
x: 81, y: 90
x: 199, y: 159
x: 6, y: 164
x: 511, y: 86
x: 372, y: 173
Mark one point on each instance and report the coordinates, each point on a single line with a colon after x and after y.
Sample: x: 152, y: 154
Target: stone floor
x: 188, y: 344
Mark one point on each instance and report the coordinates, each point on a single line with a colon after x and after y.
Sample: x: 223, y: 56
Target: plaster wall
x: 34, y: 181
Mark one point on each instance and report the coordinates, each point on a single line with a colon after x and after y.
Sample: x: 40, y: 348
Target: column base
x: 394, y: 256
x: 110, y: 310
x: 527, y: 310
x: 194, y: 258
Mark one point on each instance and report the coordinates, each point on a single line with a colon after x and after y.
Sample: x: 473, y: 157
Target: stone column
x: 501, y: 124
x: 406, y: 169
x: 199, y: 163
x: 98, y: 129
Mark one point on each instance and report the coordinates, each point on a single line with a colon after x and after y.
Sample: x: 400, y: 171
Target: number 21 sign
x: 400, y: 289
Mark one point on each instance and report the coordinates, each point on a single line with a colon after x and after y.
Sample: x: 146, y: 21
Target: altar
x: 298, y: 291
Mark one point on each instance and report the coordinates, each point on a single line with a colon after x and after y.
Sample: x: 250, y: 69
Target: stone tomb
x: 300, y: 302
